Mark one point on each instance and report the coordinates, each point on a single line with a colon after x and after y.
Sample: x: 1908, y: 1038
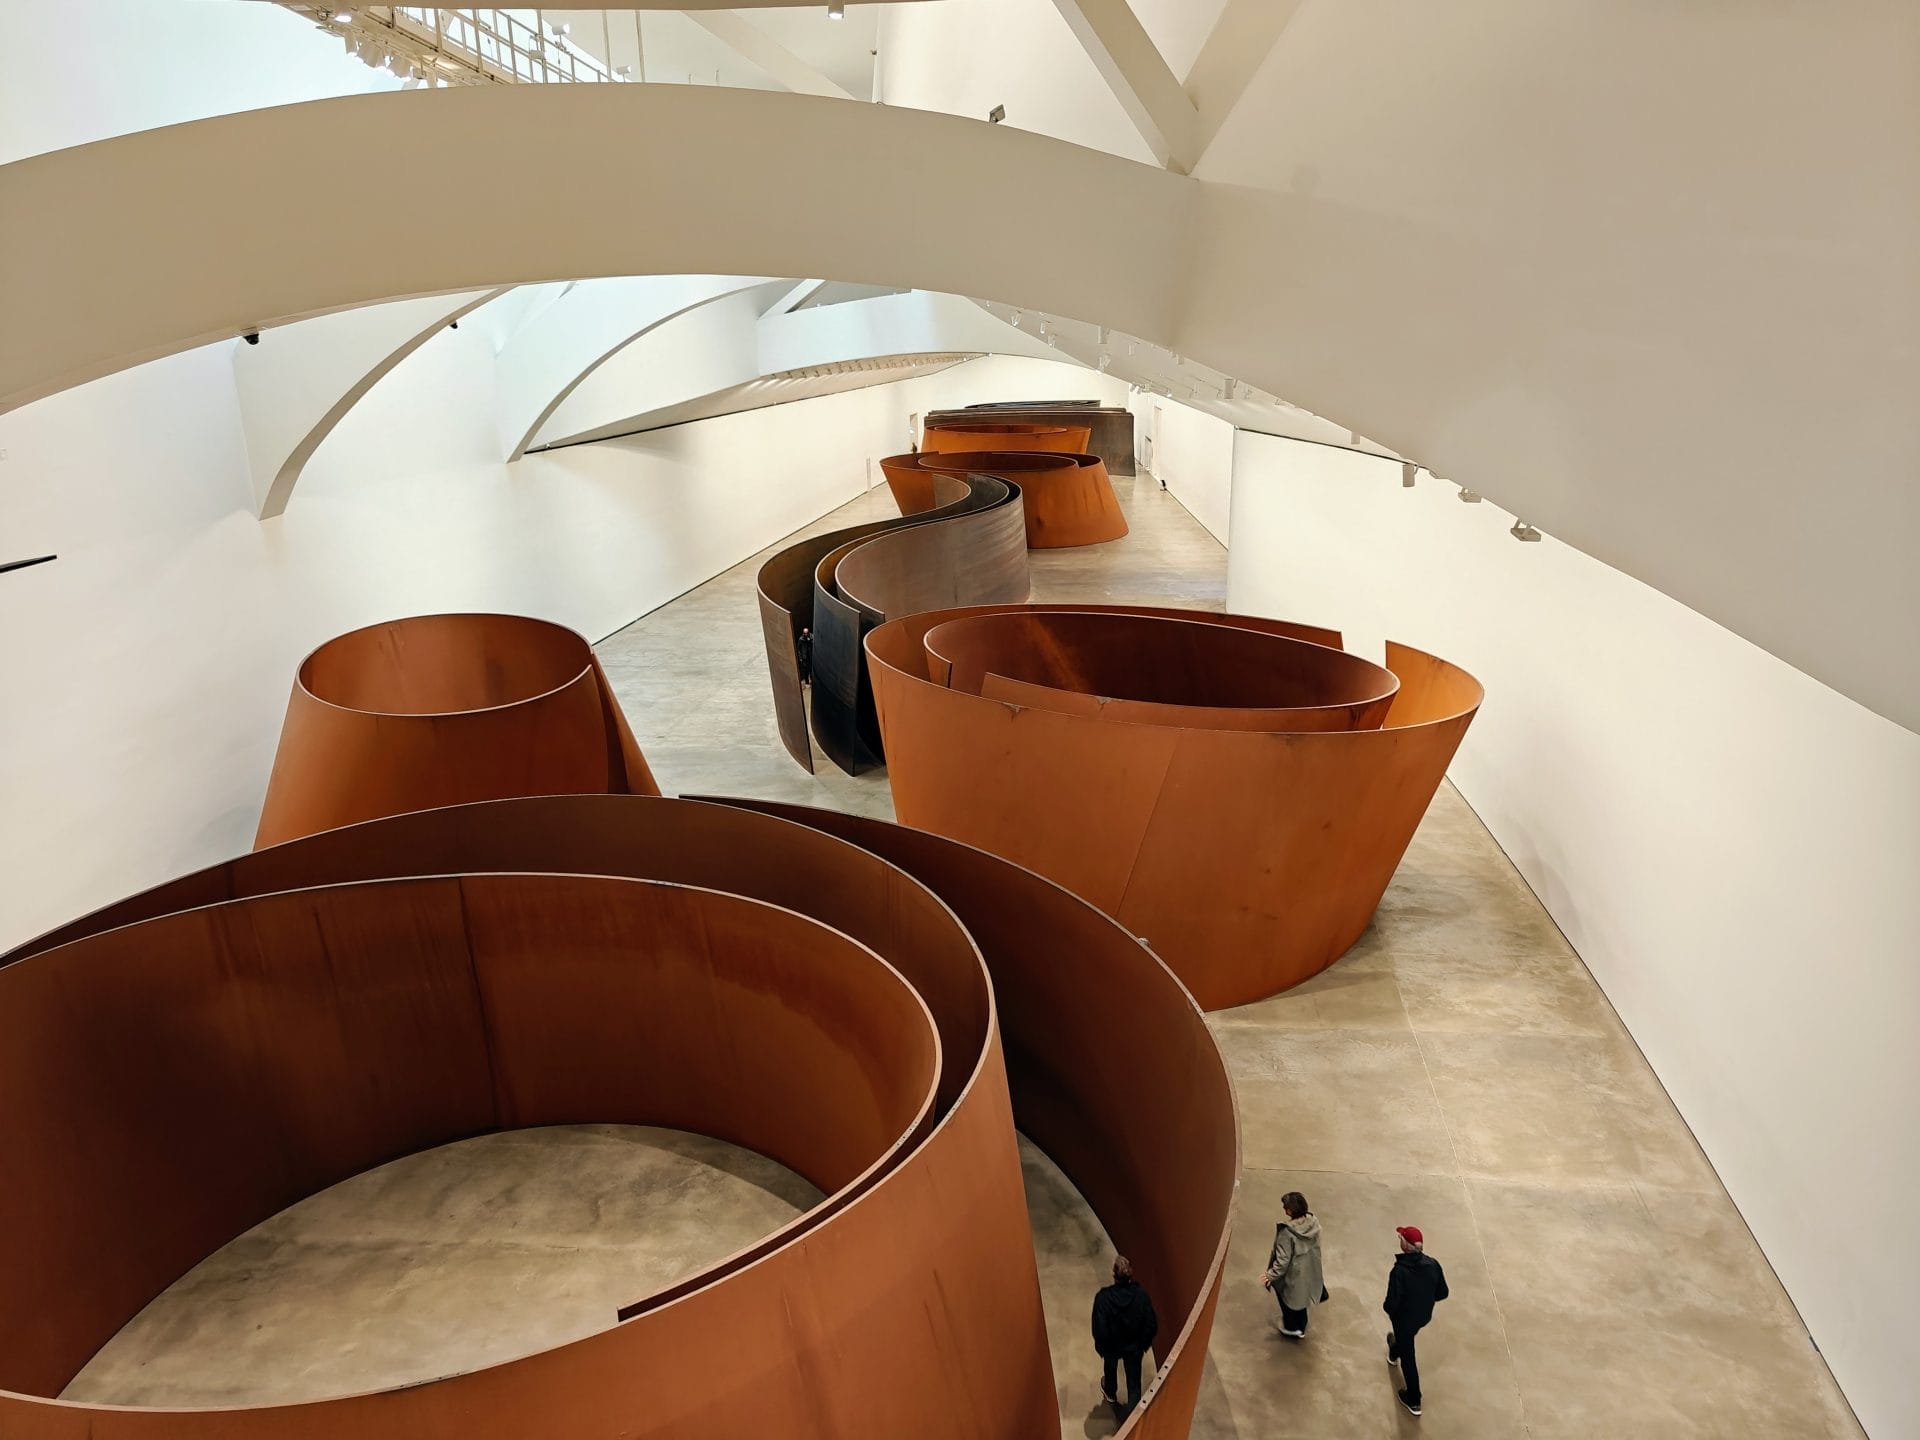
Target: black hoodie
x: 1414, y: 1285
x: 1123, y: 1320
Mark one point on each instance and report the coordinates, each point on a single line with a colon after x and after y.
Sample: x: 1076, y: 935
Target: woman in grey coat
x: 1293, y: 1269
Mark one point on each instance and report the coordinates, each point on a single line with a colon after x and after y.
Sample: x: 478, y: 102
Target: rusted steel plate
x: 982, y: 562
x: 1250, y: 858
x: 561, y: 995
x: 786, y: 590
x: 1145, y: 1129
x: 1153, y: 669
x: 1111, y: 426
x: 1066, y: 439
x: 442, y: 710
x: 1065, y: 505
x: 827, y: 1324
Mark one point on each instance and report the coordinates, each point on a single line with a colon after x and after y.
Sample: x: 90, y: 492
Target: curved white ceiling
x: 1478, y: 258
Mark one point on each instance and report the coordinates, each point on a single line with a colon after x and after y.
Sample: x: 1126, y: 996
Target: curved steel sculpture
x: 835, y: 992
x: 950, y: 437
x: 970, y: 548
x: 1110, y: 427
x: 1065, y: 505
x: 1237, y: 791
x: 441, y: 710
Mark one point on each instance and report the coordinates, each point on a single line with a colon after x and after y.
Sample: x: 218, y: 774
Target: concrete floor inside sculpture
x: 1458, y: 1070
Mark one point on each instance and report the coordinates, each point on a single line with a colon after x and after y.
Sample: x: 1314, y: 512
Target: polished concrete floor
x: 1458, y: 1070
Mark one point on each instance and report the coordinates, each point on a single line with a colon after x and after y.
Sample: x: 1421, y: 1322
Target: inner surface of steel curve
x: 1237, y: 791
x: 441, y: 710
x: 874, y: 1006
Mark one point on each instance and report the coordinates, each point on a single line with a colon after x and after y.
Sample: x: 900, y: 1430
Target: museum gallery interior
x: 974, y: 719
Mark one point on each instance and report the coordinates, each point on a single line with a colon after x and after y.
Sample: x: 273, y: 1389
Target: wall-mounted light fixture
x: 996, y: 114
x: 1523, y: 531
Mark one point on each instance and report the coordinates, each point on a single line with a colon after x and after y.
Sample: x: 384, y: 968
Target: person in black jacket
x: 1414, y: 1286
x: 1123, y: 1327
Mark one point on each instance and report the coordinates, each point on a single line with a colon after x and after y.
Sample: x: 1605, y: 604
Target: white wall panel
x: 1728, y: 843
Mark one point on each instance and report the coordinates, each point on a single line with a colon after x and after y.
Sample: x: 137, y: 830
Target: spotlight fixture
x: 1105, y: 335
x: 1523, y: 531
x: 1409, y: 472
x: 252, y: 337
x: 1469, y: 497
x: 1016, y: 318
x: 343, y: 17
x: 1105, y: 361
x: 1227, y: 387
x: 836, y: 12
x: 996, y: 114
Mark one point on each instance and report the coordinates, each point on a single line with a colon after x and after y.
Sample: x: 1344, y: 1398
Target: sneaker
x: 1392, y: 1359
x: 1293, y: 1334
x: 1408, y: 1405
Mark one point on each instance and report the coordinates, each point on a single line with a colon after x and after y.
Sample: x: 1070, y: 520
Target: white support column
x: 762, y: 51
x: 1139, y: 77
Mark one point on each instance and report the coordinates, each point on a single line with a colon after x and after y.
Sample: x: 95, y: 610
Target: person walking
x: 1414, y: 1286
x: 1293, y: 1268
x: 1123, y: 1327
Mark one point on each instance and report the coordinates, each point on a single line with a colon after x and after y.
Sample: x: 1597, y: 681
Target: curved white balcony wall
x: 1728, y: 843
x: 298, y: 383
x: 83, y: 70
x: 1473, y: 346
x: 562, y: 345
x: 695, y: 353
x: 726, y: 344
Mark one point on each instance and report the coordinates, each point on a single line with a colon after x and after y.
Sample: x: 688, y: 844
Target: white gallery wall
x: 1192, y: 455
x: 1728, y: 843
x: 83, y: 70
x: 148, y: 668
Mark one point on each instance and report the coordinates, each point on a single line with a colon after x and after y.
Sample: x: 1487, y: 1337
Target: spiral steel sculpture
x: 1239, y: 791
x: 874, y: 1006
x: 968, y: 548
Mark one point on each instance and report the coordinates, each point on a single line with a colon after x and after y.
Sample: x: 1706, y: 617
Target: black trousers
x: 1132, y: 1364
x: 1292, y: 1319
x: 1400, y: 1347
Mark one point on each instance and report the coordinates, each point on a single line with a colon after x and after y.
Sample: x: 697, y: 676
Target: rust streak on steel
x: 1250, y: 849
x: 441, y: 710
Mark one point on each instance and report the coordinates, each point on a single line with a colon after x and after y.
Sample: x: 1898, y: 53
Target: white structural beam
x: 762, y: 51
x: 593, y: 321
x: 1139, y: 77
x: 1239, y: 43
x: 302, y: 379
x: 796, y: 297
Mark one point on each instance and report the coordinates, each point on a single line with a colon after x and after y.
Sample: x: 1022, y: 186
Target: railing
x: 429, y: 45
